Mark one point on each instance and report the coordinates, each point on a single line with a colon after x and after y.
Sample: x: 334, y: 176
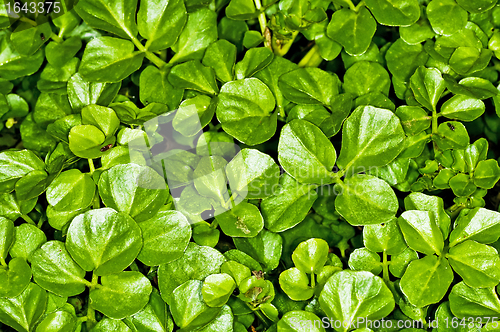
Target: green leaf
x: 24, y: 311
x: 217, y: 288
x: 295, y: 284
x: 245, y: 108
x: 241, y: 10
x: 384, y: 237
x: 468, y: 60
x: 154, y: 317
x: 349, y: 295
x: 130, y: 289
x: 477, y: 6
x: 309, y: 86
x: 58, y: 321
x: 108, y: 325
x: 27, y: 39
x: 421, y: 231
x: 370, y: 137
x: 199, y: 32
x: 353, y: 30
x: 474, y: 87
x: 130, y: 114
x: 82, y: 92
x: 462, y: 185
x: 362, y: 259
x: 221, y: 56
x: 132, y: 189
x: 55, y: 270
x: 486, y: 174
x: 288, y: 205
x: 59, y: 54
x: 14, y: 278
x: 253, y: 174
x: 403, y: 59
x: 418, y: 32
x: 242, y: 220
x: 426, y: 280
x: 478, y: 264
x: 161, y: 22
x: 481, y: 225
x: 195, y: 76
x: 16, y: 164
x: 265, y: 248
x: 188, y: 308
x: 154, y: 87
x: 400, y: 262
x: 28, y: 238
x: 103, y: 118
x: 51, y: 107
x: 166, y: 237
x: 306, y: 153
x: 13, y: 65
x: 446, y: 16
x: 463, y: 108
x: 197, y: 263
x: 71, y: 190
x: 103, y: 241
x: 466, y: 301
x: 434, y: 204
x: 366, y: 77
x: 311, y: 255
x: 118, y: 61
x: 193, y: 114
x: 395, y: 12
x: 32, y: 185
x: 365, y: 200
x: 427, y: 85
x: 255, y: 60
x: 6, y: 237
x: 295, y: 321
x: 86, y: 141
x: 451, y: 135
x: 223, y: 322
x: 117, y: 17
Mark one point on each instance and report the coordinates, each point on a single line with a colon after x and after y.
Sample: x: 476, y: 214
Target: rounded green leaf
x: 59, y: 321
x: 478, y: 264
x: 306, y: 153
x: 446, y: 16
x: 55, y: 270
x: 136, y: 190
x: 353, y: 30
x: 309, y: 86
x: 252, y: 174
x: 166, y: 237
x: 400, y: 262
x: 243, y: 220
x: 421, y: 231
x: 197, y: 263
x: 195, y: 76
x: 14, y: 278
x: 71, y: 190
x: 28, y: 238
x: 486, y: 174
x: 427, y: 85
x: 463, y: 108
x: 395, y: 12
x: 370, y: 137
x: 103, y: 118
x: 265, y: 248
x: 15, y: 165
x: 384, y: 237
x: 295, y: 284
x: 365, y: 77
x: 104, y: 241
x: 155, y: 316
x: 109, y: 60
x: 466, y: 301
x: 23, y: 311
x: 311, y: 255
x: 217, y: 288
x: 366, y: 200
x: 111, y: 325
x: 451, y: 135
x: 349, y: 295
x: 362, y: 259
x: 86, y: 141
x: 426, y: 280
x: 403, y: 59
x: 296, y: 321
x: 477, y: 6
x: 129, y: 289
x: 245, y: 108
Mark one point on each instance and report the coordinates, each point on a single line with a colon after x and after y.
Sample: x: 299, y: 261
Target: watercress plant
x: 250, y: 165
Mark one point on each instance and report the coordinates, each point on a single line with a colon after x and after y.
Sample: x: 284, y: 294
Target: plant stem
x: 27, y: 20
x: 263, y: 25
x: 134, y: 267
x: 434, y: 122
x: 385, y: 267
x: 91, y: 321
x: 312, y: 58
x: 2, y: 261
x: 359, y: 5
x: 40, y: 223
x: 56, y: 38
x: 281, y: 47
x: 61, y: 32
x: 91, y: 166
x: 313, y: 281
x: 149, y: 55
x: 261, y: 317
x: 28, y: 219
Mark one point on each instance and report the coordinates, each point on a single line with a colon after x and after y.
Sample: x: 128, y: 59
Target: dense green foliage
x: 327, y: 162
